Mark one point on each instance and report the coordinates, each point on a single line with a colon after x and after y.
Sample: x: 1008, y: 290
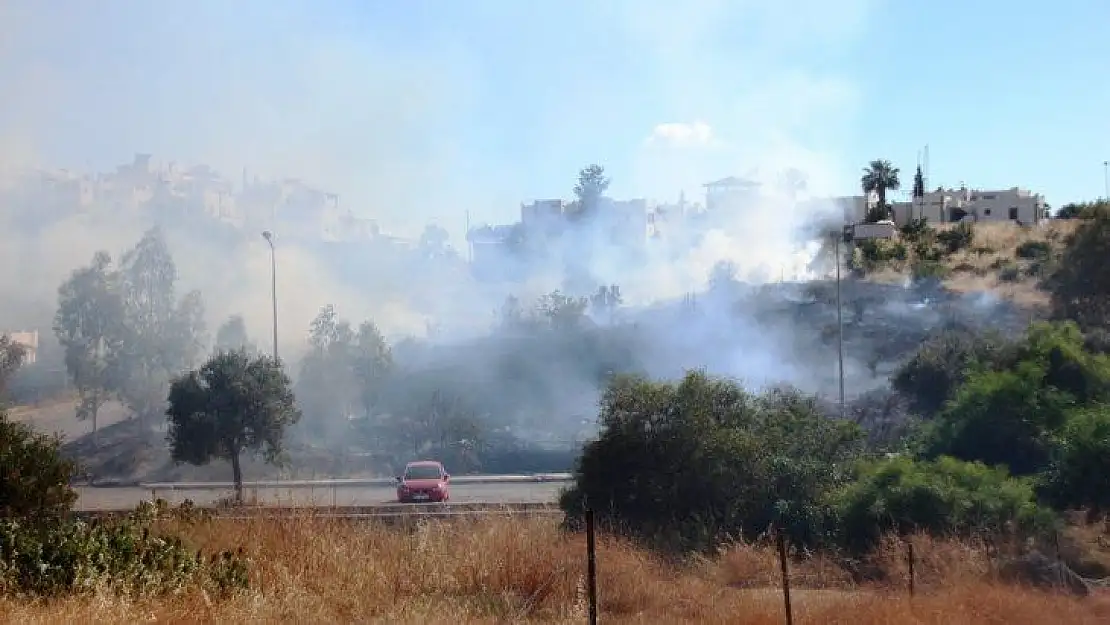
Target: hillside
x: 999, y: 257
x: 118, y: 454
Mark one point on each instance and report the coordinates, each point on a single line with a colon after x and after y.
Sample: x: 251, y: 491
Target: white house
x: 953, y: 205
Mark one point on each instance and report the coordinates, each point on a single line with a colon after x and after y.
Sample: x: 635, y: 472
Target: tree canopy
x: 667, y: 461
x: 880, y: 176
x: 89, y: 326
x: 234, y: 403
x: 1080, y: 285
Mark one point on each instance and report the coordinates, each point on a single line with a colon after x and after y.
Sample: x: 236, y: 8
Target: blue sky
x: 417, y: 110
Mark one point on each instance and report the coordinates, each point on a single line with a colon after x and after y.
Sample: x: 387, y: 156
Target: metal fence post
x: 785, y: 578
x: 910, y: 560
x: 591, y: 567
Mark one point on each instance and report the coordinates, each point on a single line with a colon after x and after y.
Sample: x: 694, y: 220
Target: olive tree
x: 232, y: 404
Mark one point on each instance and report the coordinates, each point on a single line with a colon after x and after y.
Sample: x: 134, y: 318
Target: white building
x: 30, y: 342
x: 730, y: 193
x: 953, y: 205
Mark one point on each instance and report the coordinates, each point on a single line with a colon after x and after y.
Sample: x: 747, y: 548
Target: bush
x: 1001, y: 417
x: 1010, y: 414
x: 1079, y: 476
x: 931, y: 376
x: 686, y: 465
x: 958, y: 238
x: 945, y: 497
x: 1080, y: 283
x: 917, y: 230
x: 876, y: 252
x: 928, y: 269
x: 1033, y: 250
x: 1009, y: 272
x: 925, y: 252
x: 34, y: 477
x: 1083, y: 210
x: 43, y: 552
x: 126, y: 556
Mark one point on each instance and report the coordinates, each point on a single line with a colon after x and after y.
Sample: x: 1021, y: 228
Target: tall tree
x: 880, y: 176
x: 234, y: 403
x: 512, y: 314
x: 189, y: 332
x: 562, y: 311
x: 372, y: 362
x: 327, y: 387
x: 606, y: 300
x: 89, y: 326
x: 162, y: 338
x: 12, y: 354
x: 232, y: 336
x: 919, y: 190
x: 591, y: 186
x: 1080, y: 283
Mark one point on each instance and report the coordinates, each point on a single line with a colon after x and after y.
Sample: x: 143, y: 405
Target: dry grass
x: 993, y: 254
x: 524, y: 570
x: 992, y: 262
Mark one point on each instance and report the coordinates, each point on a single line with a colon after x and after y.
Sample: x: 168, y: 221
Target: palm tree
x: 880, y: 176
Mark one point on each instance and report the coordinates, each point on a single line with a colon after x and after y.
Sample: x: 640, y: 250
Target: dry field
x: 993, y: 264
x: 58, y: 417
x: 524, y: 570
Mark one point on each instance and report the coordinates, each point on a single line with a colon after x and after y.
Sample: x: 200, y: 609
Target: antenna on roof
x: 926, y: 165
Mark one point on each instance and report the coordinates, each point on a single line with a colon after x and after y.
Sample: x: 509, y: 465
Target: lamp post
x: 839, y: 327
x: 1106, y: 179
x: 269, y: 236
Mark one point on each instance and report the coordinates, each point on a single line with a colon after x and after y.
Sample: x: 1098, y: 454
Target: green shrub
x: 878, y: 251
x: 686, y: 465
x: 1009, y: 272
x: 945, y: 497
x: 44, y: 552
x: 1079, y: 475
x: 1012, y: 412
x: 928, y: 269
x: 940, y: 365
x: 958, y: 238
x: 34, y: 477
x: 1033, y: 250
x: 917, y: 229
x: 126, y: 556
x: 925, y: 251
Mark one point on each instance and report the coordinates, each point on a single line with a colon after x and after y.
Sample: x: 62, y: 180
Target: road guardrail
x: 380, y: 511
x: 344, y: 482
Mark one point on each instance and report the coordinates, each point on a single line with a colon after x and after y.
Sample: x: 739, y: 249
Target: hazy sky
x: 415, y: 110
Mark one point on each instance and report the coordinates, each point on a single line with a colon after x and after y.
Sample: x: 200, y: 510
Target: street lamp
x: 269, y: 236
x: 1106, y: 178
x: 839, y: 325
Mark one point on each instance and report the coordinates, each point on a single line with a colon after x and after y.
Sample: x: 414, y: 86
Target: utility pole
x: 269, y: 236
x: 839, y: 327
x: 1106, y: 179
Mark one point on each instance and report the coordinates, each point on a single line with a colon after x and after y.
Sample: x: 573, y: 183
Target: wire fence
x: 909, y: 565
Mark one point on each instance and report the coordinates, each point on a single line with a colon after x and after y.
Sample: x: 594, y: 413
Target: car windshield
x: 422, y: 472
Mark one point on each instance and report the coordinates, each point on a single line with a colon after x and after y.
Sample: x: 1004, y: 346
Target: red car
x: 423, y: 481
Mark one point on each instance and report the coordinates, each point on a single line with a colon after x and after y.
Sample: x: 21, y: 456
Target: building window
x: 1013, y: 212
x: 989, y: 196
x: 987, y: 212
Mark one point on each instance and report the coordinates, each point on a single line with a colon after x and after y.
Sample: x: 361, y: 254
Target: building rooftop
x: 731, y: 181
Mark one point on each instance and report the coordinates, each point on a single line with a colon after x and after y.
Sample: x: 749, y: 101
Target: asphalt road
x: 92, y: 498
